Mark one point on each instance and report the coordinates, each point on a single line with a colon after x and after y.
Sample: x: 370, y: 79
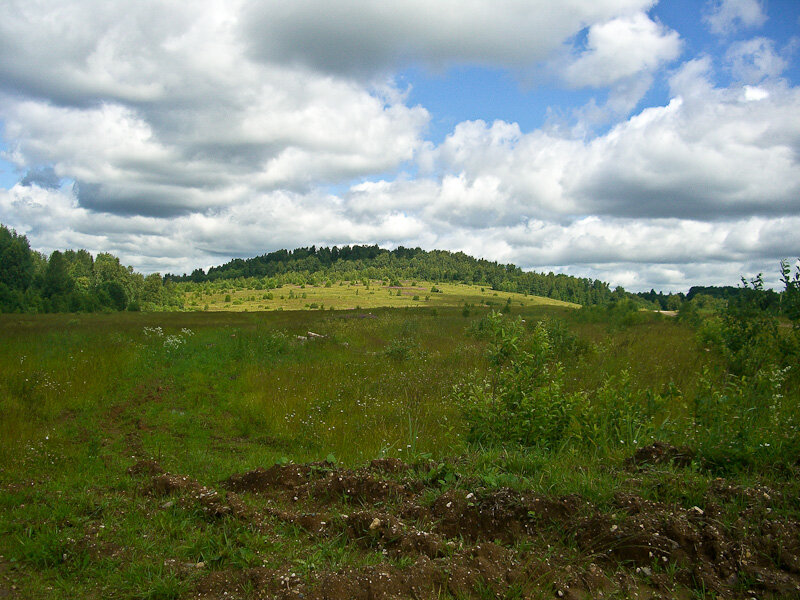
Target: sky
x: 647, y: 144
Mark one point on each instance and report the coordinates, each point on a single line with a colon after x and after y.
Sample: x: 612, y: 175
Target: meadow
x: 353, y: 295
x: 130, y: 444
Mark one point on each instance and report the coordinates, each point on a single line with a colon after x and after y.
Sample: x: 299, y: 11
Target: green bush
x: 401, y: 349
x: 523, y: 401
x: 617, y: 413
x: 745, y: 420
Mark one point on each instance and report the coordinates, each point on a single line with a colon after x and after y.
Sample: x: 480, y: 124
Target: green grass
x: 353, y: 295
x: 209, y: 394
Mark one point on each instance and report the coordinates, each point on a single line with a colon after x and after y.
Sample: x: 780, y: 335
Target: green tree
x: 16, y: 260
x: 153, y: 294
x: 108, y: 270
x: 790, y: 298
x: 57, y: 281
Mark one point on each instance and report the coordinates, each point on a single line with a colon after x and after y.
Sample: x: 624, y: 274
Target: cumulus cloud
x: 620, y: 48
x: 751, y: 61
x: 363, y: 38
x: 706, y: 155
x: 178, y: 136
x: 44, y: 177
x: 728, y: 16
x: 621, y: 54
x: 159, y: 111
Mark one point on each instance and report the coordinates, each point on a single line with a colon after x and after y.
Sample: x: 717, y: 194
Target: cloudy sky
x: 648, y: 144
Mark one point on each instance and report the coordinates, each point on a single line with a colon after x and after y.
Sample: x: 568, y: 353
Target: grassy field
x: 365, y: 295
x: 130, y: 446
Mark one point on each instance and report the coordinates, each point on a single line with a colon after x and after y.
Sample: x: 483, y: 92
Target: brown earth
x: 438, y: 543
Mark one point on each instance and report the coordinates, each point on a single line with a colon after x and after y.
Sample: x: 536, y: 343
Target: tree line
x: 312, y: 265
x: 75, y: 281
x: 708, y: 295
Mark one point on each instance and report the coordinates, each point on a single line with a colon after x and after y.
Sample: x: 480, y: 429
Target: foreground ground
x: 241, y: 456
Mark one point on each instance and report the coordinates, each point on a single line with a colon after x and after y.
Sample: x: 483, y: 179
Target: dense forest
x: 354, y: 263
x: 714, y: 295
x: 75, y: 281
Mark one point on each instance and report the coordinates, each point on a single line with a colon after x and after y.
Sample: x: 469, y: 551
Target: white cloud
x: 197, y: 133
x: 751, y: 61
x: 622, y: 54
x: 636, y: 253
x: 156, y: 109
x: 707, y: 155
x: 356, y: 37
x: 729, y: 16
x: 754, y: 94
x: 621, y: 48
x: 693, y: 79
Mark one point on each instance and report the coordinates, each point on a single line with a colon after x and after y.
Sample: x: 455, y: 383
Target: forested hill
x: 311, y: 265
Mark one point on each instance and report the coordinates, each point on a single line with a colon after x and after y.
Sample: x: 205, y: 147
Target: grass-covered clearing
x: 346, y: 295
x: 207, y: 395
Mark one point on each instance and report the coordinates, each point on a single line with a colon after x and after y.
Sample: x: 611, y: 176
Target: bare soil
x: 431, y: 542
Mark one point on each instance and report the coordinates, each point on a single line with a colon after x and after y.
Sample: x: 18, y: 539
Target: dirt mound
x: 287, y: 477
x: 661, y: 453
x: 167, y: 483
x: 502, y: 515
x: 190, y: 493
x: 422, y: 542
x: 644, y: 534
x: 389, y: 465
x: 358, y: 488
x: 386, y: 532
x: 145, y: 467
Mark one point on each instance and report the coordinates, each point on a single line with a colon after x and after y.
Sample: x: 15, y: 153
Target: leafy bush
x: 401, y: 349
x: 745, y: 332
x: 616, y: 413
x: 563, y: 342
x: 621, y: 312
x: 790, y: 299
x: 523, y: 401
x: 745, y: 420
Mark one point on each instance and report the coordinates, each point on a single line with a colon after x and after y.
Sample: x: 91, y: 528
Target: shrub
x: 400, y: 349
x: 523, y: 401
x: 616, y: 413
x: 745, y: 420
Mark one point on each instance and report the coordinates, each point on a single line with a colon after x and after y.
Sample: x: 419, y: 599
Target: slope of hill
x: 355, y: 263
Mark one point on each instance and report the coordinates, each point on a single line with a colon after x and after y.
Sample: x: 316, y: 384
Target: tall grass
x: 211, y: 394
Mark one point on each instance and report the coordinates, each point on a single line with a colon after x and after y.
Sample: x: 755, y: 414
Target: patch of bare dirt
x: 322, y: 482
x: 189, y: 493
x: 285, y: 477
x: 389, y: 465
x: 418, y: 541
x: 145, y: 467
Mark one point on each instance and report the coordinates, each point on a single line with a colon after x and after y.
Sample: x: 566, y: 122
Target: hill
x: 363, y: 263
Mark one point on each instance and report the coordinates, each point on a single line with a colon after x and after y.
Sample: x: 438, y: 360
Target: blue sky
x: 470, y: 92
x: 648, y: 144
